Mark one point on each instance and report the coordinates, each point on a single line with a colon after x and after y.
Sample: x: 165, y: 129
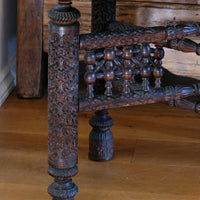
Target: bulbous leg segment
x: 101, y: 138
x: 63, y: 188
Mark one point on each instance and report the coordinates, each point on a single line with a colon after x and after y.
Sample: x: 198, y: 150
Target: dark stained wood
x: 29, y: 49
x: 32, y: 15
x: 185, y: 45
x: 137, y: 36
x: 143, y: 13
x: 187, y: 104
x: 103, y: 12
x: 63, y: 76
x: 85, y: 21
x: 167, y: 94
x: 114, y: 57
x: 101, y: 138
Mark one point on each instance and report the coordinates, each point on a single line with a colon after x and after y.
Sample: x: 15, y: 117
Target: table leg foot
x: 63, y: 188
x: 101, y: 138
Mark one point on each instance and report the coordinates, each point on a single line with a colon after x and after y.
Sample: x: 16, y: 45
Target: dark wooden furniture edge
x: 30, y: 74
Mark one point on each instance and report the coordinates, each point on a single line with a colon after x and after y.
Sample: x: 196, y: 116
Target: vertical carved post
x: 101, y: 138
x: 103, y: 12
x: 63, y: 99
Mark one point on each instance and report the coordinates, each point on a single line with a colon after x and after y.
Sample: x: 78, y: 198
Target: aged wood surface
x: 137, y: 36
x: 103, y: 12
x: 101, y: 138
x: 150, y: 162
x: 63, y: 78
x: 166, y: 94
x: 173, y: 12
x: 29, y: 49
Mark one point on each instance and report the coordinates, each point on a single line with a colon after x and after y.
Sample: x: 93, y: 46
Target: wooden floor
x: 157, y: 154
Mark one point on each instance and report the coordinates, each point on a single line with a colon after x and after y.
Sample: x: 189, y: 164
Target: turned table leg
x: 63, y: 99
x: 101, y: 138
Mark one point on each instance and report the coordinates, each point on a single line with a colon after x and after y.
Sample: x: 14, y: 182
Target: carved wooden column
x: 101, y: 138
x: 30, y: 70
x: 63, y: 99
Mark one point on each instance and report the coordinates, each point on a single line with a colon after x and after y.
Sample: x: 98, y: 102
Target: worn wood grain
x: 29, y: 48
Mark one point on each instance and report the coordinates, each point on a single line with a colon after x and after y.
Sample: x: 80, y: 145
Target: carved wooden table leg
x: 101, y: 138
x: 63, y: 99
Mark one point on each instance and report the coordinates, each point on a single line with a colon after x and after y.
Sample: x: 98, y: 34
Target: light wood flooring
x: 157, y: 154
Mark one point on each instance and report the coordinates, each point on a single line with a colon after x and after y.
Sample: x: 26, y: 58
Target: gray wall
x: 8, y: 27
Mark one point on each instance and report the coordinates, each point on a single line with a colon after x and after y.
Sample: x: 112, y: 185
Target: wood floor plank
x: 147, y: 179
x: 167, y: 153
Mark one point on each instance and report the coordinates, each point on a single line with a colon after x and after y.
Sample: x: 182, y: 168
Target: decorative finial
x: 64, y: 13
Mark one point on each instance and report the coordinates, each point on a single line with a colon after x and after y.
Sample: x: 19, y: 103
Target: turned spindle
x: 127, y: 71
x: 109, y: 55
x: 158, y: 71
x: 90, y: 76
x: 146, y: 69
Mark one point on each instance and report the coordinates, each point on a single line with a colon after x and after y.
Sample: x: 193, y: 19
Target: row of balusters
x: 125, y: 62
